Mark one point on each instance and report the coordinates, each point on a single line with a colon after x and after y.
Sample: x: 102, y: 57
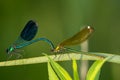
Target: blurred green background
x: 58, y: 20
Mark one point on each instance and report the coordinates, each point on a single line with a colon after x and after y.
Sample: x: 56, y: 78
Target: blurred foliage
x: 58, y: 20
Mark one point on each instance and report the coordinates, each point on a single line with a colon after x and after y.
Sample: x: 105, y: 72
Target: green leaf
x: 52, y: 74
x: 61, y: 73
x: 75, y: 70
x: 77, y: 56
x: 94, y: 71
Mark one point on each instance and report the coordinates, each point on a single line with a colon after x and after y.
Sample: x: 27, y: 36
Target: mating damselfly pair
x: 28, y: 33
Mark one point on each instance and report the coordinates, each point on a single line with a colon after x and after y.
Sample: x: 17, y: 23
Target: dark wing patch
x: 29, y: 31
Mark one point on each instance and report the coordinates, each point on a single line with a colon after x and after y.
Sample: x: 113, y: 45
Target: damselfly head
x: 9, y: 50
x: 58, y: 49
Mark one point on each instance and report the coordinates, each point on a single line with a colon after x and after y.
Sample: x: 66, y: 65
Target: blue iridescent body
x: 26, y: 36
